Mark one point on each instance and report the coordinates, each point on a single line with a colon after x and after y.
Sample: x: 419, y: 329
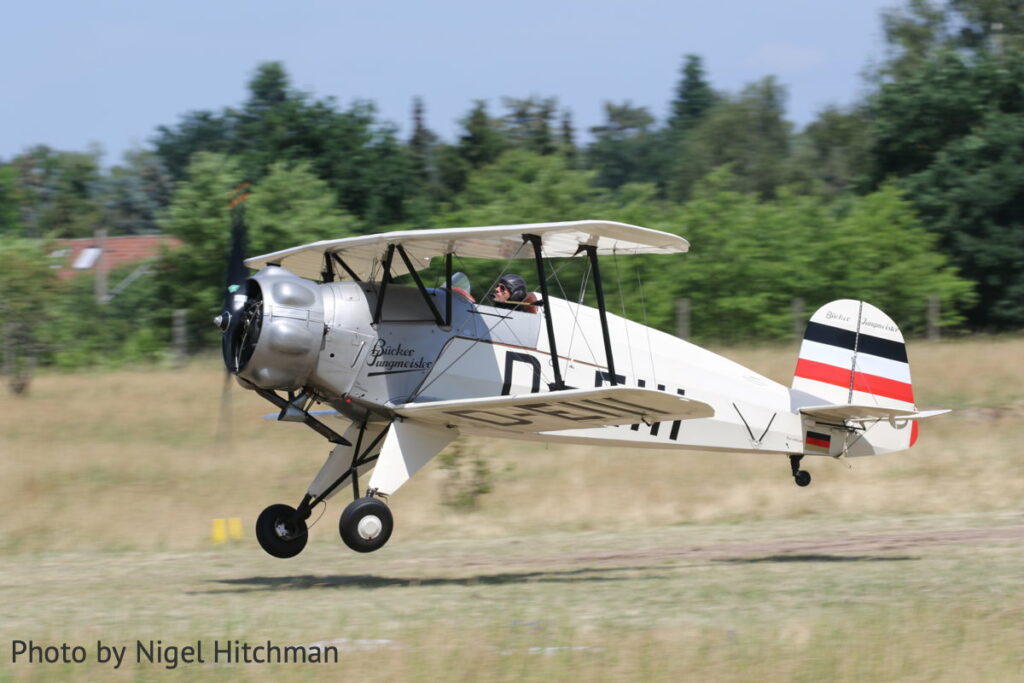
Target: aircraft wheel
x: 366, y: 524
x: 281, y: 532
x: 803, y: 478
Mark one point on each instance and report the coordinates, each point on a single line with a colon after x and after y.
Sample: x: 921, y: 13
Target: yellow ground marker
x: 224, y: 529
x: 219, y: 533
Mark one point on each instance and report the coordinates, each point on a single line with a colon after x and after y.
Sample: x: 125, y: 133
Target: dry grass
x: 131, y: 460
x: 110, y: 482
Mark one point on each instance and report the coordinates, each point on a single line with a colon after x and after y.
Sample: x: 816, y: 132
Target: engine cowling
x: 278, y: 338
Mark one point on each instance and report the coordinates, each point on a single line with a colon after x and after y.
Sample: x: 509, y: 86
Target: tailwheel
x: 801, y: 477
x: 281, y: 531
x: 366, y: 524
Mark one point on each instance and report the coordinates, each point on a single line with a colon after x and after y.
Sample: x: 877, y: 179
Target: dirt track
x: 824, y: 548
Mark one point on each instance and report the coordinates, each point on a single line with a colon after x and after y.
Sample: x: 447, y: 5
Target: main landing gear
x: 801, y: 477
x: 281, y: 531
x: 365, y: 525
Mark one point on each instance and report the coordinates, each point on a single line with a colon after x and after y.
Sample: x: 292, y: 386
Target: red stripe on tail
x: 840, y: 377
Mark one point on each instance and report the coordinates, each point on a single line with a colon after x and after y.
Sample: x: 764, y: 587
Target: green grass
x: 728, y: 601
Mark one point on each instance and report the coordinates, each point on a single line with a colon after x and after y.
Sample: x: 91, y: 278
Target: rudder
x: 852, y: 352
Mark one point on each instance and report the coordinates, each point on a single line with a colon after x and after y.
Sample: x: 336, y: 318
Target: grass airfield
x: 581, y: 563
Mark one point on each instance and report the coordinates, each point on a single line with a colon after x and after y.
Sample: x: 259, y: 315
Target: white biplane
x: 412, y: 367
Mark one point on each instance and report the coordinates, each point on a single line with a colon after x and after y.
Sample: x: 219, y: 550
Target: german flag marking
x: 817, y: 442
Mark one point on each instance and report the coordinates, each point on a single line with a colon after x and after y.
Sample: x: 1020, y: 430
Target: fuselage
x: 491, y: 351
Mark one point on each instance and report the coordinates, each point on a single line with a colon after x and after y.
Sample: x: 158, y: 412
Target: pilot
x: 510, y: 292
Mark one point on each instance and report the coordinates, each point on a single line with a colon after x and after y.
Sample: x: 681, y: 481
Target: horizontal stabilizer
x: 569, y: 409
x: 845, y: 412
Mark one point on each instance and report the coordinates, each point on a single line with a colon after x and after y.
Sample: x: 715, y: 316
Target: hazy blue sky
x: 109, y: 72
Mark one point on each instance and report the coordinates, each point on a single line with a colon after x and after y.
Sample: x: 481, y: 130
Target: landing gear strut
x: 366, y: 523
x: 801, y: 477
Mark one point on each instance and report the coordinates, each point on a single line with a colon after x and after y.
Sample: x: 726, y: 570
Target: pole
x: 683, y: 318
x: 99, y: 268
x: 934, y: 304
x: 180, y: 343
x: 798, y: 319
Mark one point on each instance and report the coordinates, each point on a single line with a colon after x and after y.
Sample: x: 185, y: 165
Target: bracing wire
x: 505, y: 267
x: 575, y: 313
x: 647, y: 329
x: 622, y: 302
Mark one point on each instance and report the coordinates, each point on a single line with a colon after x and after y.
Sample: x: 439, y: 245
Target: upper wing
x: 570, y: 409
x: 854, y: 413
x: 494, y: 242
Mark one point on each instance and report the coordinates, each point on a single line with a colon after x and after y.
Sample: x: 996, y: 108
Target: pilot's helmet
x: 516, y: 286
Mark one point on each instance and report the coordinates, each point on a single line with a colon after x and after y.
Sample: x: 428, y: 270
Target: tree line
x: 916, y: 190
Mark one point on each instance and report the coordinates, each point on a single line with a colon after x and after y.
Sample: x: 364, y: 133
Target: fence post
x: 798, y: 319
x: 180, y: 344
x: 933, y: 317
x: 683, y: 318
x: 100, y: 267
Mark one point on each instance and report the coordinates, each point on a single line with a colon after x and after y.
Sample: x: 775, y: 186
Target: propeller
x: 233, y: 310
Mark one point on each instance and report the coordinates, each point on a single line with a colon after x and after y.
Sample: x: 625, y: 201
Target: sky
x: 107, y: 73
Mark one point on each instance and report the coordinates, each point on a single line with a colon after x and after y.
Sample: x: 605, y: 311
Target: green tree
x: 972, y: 197
x: 58, y: 191
x: 10, y: 204
x: 751, y: 257
x: 480, y: 143
x: 525, y: 187
x: 923, y: 29
x: 291, y: 206
x: 694, y: 97
x: 193, y: 277
x: 28, y: 286
x: 567, y: 140
x: 131, y: 196
x: 947, y: 122
x: 198, y: 131
x: 747, y: 132
x: 832, y: 154
x: 626, y: 148
x: 528, y: 123
x: 356, y: 155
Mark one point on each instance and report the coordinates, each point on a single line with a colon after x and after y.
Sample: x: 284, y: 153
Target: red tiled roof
x: 117, y: 251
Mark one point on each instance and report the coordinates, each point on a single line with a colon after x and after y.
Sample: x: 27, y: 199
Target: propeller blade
x: 237, y: 273
x: 230, y: 317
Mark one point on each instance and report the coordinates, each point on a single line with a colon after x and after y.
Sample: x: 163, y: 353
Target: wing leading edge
x: 491, y: 242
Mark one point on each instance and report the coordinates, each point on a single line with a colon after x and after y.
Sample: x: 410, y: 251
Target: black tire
x: 358, y: 510
x: 281, y: 532
x: 803, y: 478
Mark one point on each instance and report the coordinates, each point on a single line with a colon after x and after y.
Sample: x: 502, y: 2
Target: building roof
x: 73, y: 256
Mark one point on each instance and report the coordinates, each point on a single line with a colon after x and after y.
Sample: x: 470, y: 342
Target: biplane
x: 350, y: 324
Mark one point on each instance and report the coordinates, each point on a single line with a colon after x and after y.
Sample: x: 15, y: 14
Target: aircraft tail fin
x: 853, y: 366
x: 853, y: 353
